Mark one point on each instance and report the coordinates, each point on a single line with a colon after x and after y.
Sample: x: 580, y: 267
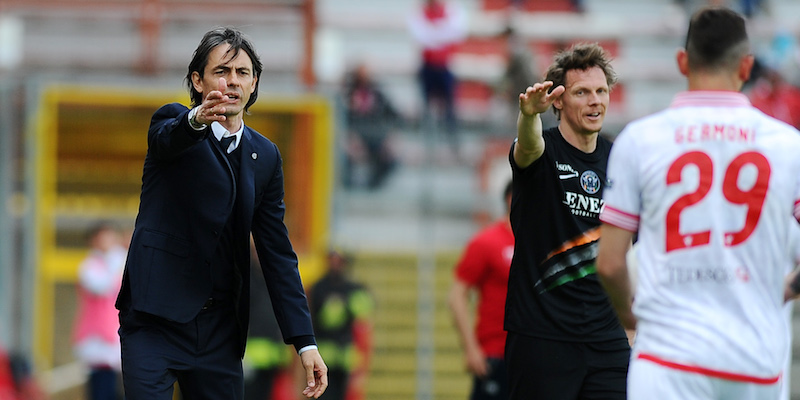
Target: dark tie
x: 225, y: 142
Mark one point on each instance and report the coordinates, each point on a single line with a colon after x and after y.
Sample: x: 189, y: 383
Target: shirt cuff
x: 307, y: 348
x: 194, y: 124
x: 302, y: 342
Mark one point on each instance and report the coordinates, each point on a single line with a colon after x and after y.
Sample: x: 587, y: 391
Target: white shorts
x: 649, y: 380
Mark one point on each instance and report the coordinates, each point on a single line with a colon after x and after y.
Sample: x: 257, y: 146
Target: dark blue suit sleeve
x: 170, y: 135
x: 279, y: 261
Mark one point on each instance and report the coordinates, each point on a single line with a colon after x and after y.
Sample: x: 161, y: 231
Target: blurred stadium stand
x: 406, y: 236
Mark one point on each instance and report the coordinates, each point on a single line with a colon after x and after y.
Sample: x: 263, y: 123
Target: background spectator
x: 773, y: 95
x: 748, y: 8
x: 370, y: 118
x: 96, y: 342
x: 438, y: 26
x: 483, y: 269
x: 520, y: 72
x: 341, y: 310
x: 16, y: 378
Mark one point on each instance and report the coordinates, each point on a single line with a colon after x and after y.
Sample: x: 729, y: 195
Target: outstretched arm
x: 535, y: 100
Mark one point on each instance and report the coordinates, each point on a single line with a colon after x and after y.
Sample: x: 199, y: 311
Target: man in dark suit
x: 208, y: 183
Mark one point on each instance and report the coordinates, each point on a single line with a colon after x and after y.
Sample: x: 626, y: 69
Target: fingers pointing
x: 223, y: 85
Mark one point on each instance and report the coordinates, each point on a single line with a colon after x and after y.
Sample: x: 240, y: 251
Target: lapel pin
x: 254, y: 155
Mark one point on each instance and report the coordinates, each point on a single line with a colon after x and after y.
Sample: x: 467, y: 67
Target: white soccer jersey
x: 711, y: 185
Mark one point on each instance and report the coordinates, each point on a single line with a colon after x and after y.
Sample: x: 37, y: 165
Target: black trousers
x: 202, y: 355
x: 102, y: 384
x: 493, y: 386
x: 544, y: 369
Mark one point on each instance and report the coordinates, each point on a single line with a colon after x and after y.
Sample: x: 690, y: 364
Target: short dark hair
x: 213, y: 38
x: 580, y: 56
x: 716, y: 39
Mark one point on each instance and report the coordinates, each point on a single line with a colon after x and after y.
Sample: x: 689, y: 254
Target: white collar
x: 220, y: 132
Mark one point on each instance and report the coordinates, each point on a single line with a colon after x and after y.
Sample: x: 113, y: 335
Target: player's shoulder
x: 772, y: 124
x: 168, y: 114
x: 664, y: 117
x: 482, y: 236
x: 551, y: 133
x: 644, y: 135
x: 604, y: 141
x: 265, y: 152
x: 554, y: 143
x: 495, y: 228
x: 769, y: 129
x: 644, y: 123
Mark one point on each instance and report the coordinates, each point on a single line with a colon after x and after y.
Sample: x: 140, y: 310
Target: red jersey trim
x: 620, y: 219
x: 730, y: 376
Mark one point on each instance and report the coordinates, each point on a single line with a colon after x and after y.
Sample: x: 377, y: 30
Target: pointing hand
x: 213, y: 106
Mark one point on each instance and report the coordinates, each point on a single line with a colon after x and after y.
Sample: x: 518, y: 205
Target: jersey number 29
x: 753, y: 197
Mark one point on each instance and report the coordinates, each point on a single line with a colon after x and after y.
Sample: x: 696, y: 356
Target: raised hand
x: 536, y: 100
x: 213, y: 106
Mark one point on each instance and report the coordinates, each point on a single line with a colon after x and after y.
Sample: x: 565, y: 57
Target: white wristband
x: 307, y: 348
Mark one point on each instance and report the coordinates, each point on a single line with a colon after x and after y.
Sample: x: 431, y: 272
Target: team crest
x: 590, y: 182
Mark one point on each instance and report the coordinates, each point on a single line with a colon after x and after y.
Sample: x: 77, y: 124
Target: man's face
x: 583, y: 105
x: 238, y: 73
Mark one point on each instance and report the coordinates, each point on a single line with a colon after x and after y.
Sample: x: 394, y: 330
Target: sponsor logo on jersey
x: 590, y: 182
x: 583, y: 205
x: 684, y: 274
x: 566, y: 171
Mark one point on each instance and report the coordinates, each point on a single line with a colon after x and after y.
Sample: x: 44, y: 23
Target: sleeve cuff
x: 301, y: 342
x: 307, y: 348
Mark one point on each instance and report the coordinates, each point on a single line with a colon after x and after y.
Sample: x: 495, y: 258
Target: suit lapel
x: 246, y: 184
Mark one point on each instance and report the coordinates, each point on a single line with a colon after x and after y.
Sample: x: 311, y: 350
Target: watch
x: 193, y: 121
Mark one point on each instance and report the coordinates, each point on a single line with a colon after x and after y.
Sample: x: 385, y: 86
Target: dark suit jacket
x: 188, y: 193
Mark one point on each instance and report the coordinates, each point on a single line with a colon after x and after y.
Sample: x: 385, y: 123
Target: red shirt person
x: 484, y: 268
x: 776, y: 97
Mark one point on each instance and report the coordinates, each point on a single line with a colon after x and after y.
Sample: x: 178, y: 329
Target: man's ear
x: 746, y: 67
x: 253, y: 85
x: 196, y: 80
x: 558, y: 103
x: 683, y: 62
